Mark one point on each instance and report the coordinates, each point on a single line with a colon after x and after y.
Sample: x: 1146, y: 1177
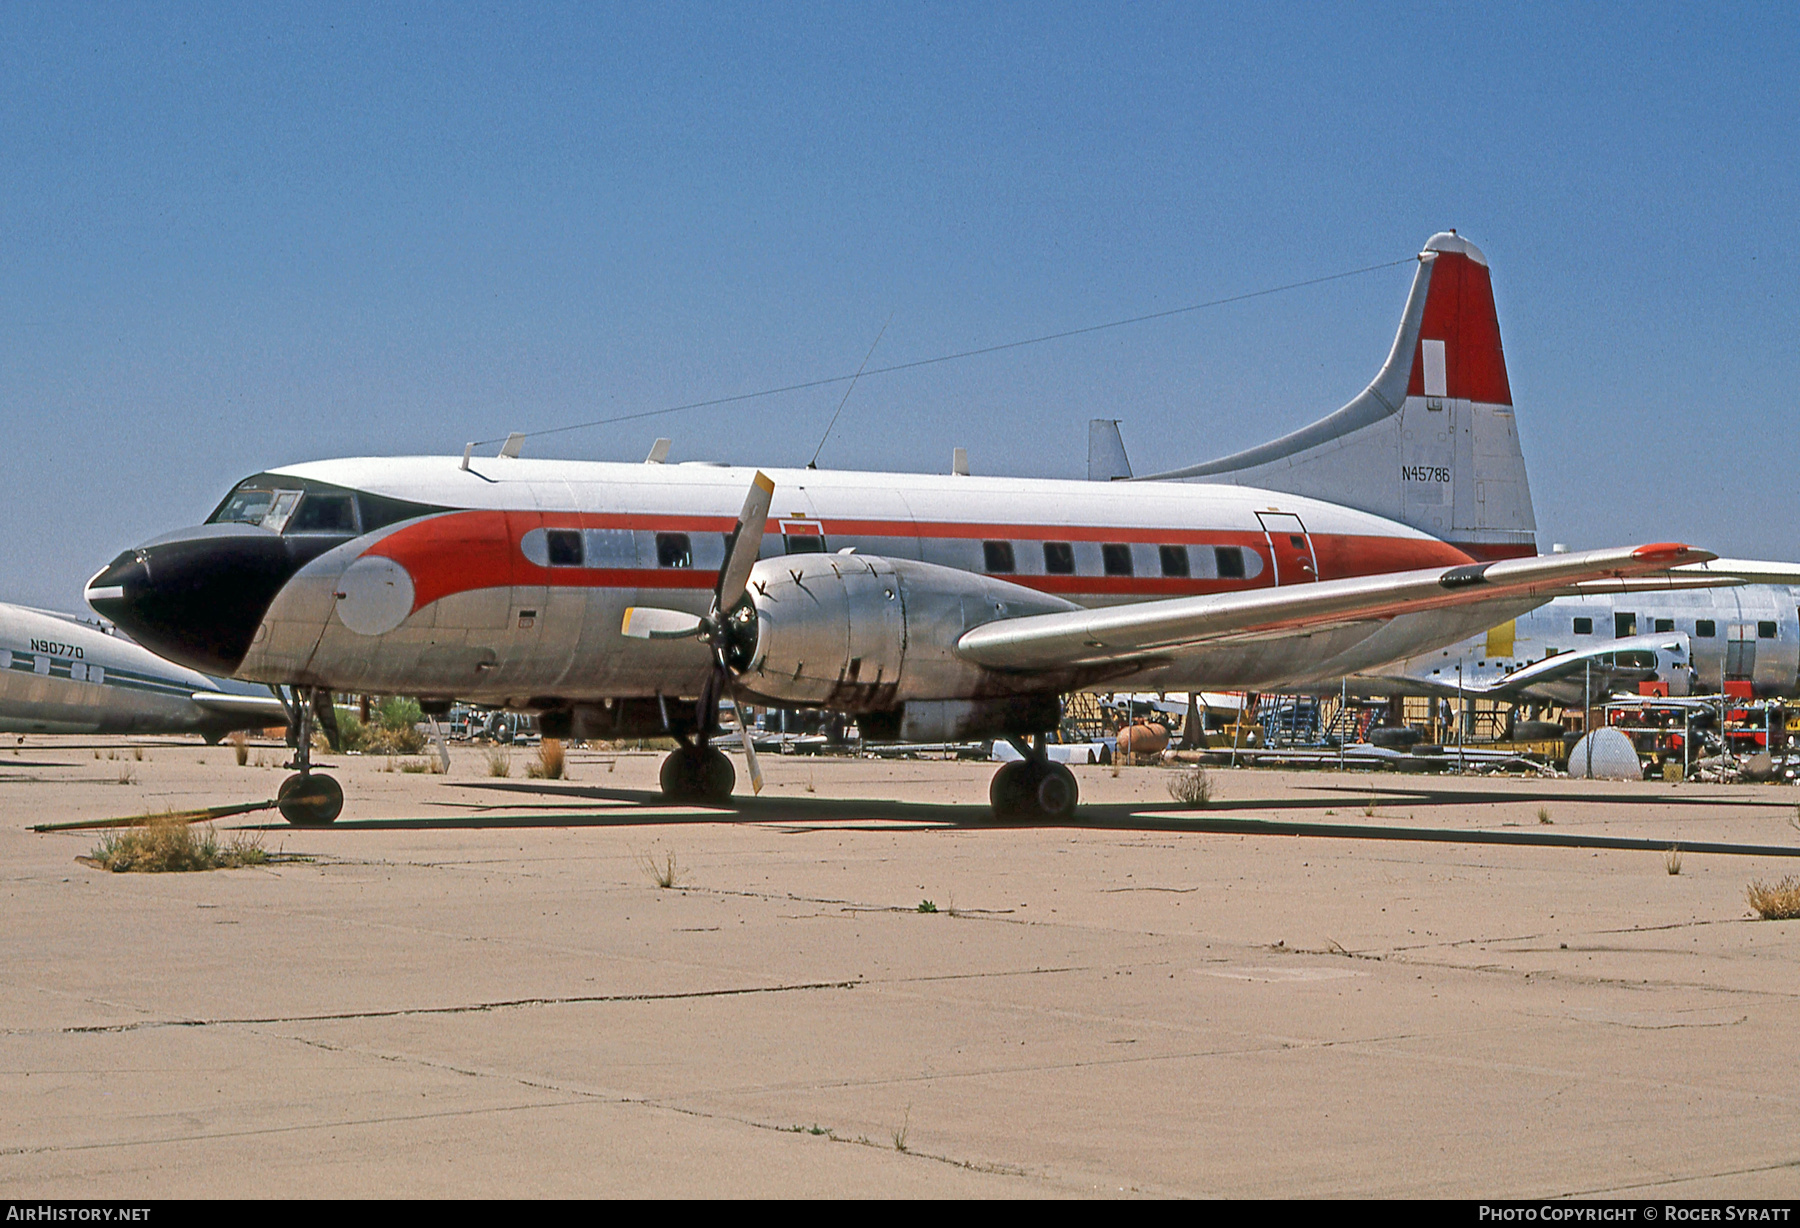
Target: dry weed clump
x: 499, y: 761
x: 1775, y: 901
x: 549, y: 762
x: 172, y: 846
x: 1192, y: 787
x: 1672, y: 859
x: 664, y: 872
x: 239, y: 749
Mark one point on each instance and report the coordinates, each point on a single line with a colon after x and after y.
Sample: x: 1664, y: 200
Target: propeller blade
x: 756, y: 776
x: 647, y: 622
x: 746, y: 543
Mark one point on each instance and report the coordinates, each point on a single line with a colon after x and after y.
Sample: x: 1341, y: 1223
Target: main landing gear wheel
x: 1033, y: 789
x: 698, y: 774
x: 310, y: 800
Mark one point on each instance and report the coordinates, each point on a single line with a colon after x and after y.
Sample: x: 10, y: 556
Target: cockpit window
x: 323, y: 513
x: 244, y: 506
x: 282, y: 503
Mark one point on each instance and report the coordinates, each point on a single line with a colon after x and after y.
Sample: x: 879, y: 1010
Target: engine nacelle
x: 861, y: 633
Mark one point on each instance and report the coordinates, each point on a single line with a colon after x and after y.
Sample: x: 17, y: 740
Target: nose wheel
x: 310, y: 800
x: 1034, y: 789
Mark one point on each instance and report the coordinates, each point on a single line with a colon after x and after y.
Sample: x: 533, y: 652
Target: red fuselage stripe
x: 464, y: 551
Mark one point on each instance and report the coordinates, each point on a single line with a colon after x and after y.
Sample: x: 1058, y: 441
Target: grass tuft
x: 664, y: 873
x: 1672, y: 859
x: 417, y: 767
x: 239, y: 748
x: 1775, y: 901
x: 903, y: 1131
x: 172, y: 846
x: 1192, y: 787
x: 926, y: 906
x: 499, y: 761
x: 549, y: 763
x: 1544, y: 818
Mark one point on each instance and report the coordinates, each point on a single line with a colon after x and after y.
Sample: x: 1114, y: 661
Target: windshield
x: 286, y: 504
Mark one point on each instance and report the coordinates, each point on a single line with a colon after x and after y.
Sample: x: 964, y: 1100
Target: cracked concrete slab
x: 472, y: 986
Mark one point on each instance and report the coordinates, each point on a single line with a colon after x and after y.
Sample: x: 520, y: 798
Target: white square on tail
x: 1436, y: 383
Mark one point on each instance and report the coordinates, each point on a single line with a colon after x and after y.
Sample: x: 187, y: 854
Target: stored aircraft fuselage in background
x: 605, y: 596
x: 1695, y: 640
x: 61, y: 675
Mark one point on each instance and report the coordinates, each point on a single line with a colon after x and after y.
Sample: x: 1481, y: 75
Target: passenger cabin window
x: 563, y: 547
x: 1059, y: 558
x: 803, y: 543
x: 1624, y: 625
x: 997, y: 557
x: 674, y: 550
x: 320, y: 513
x: 1584, y: 626
x: 1174, y: 561
x: 1704, y: 628
x: 1229, y: 560
x: 1765, y: 631
x: 1664, y: 624
x: 1116, y: 558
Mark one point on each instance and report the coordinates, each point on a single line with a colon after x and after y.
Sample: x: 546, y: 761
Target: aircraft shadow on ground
x: 588, y: 806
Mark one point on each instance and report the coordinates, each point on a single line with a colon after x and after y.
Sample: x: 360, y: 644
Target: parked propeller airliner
x: 1577, y: 650
x: 620, y: 600
x: 61, y: 675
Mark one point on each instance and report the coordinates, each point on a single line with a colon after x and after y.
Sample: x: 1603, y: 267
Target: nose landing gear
x: 1033, y: 788
x: 306, y: 799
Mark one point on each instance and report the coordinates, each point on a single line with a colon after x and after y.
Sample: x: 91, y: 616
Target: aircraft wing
x: 242, y: 705
x: 1183, y: 625
x: 1749, y: 571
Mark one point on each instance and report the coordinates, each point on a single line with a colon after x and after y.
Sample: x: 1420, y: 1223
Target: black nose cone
x: 196, y: 597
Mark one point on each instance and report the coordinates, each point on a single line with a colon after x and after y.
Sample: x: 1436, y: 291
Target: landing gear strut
x: 306, y: 799
x: 1033, y: 788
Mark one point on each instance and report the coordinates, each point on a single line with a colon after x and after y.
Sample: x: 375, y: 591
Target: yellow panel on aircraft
x: 1500, y: 641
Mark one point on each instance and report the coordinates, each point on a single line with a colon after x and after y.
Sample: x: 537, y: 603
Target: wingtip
x: 1673, y: 552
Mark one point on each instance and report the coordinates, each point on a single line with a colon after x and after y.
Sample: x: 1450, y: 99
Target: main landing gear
x: 1033, y: 788
x: 305, y: 798
x: 698, y: 773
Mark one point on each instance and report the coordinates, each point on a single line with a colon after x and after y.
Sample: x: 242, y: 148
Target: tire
x: 697, y: 774
x: 307, y: 799
x: 1006, y: 793
x: 1054, y: 793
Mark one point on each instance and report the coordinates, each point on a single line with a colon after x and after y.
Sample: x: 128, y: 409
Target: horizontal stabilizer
x: 242, y: 705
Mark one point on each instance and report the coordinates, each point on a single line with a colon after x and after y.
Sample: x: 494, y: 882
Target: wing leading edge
x: 1184, y: 625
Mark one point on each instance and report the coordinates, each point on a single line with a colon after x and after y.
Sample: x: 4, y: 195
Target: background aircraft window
x: 1584, y: 626
x: 674, y: 550
x: 1704, y: 628
x: 997, y: 556
x: 1664, y: 624
x: 1624, y: 625
x: 1174, y: 560
x: 1765, y: 631
x: 1116, y: 559
x: 803, y: 543
x: 1230, y: 561
x: 564, y: 547
x: 321, y: 513
x: 1059, y: 558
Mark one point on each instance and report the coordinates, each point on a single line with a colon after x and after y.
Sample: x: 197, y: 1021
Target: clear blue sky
x: 234, y: 237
